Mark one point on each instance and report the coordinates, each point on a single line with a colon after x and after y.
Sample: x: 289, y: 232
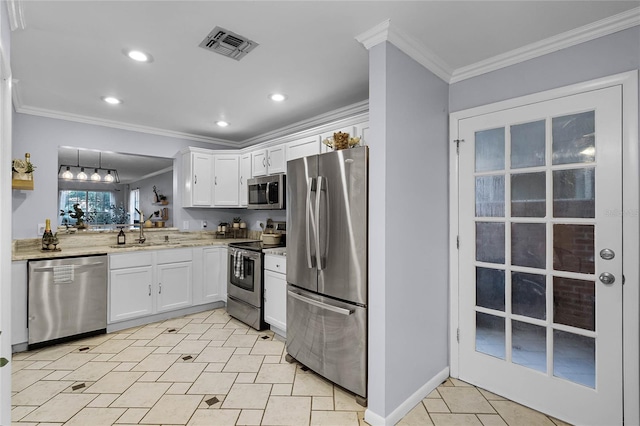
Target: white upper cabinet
x: 268, y: 161
x: 197, y: 170
x: 245, y: 173
x: 360, y: 130
x: 303, y: 147
x: 226, y: 180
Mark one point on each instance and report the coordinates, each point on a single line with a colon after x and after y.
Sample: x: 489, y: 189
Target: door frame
x: 630, y: 228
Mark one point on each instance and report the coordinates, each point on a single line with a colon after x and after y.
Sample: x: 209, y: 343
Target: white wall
x: 408, y: 278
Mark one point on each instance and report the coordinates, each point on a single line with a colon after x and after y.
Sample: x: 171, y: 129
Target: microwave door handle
x: 308, y: 222
x: 268, y: 197
x: 320, y: 258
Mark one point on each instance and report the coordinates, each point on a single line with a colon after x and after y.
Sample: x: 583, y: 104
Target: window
x: 134, y: 205
x: 96, y: 205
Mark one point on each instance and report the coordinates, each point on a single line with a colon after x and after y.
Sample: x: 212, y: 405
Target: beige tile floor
x: 209, y: 369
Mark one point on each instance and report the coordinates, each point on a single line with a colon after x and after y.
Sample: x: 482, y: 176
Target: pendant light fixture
x: 111, y: 175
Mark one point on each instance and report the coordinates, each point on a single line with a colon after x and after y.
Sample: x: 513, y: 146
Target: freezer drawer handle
x: 321, y: 305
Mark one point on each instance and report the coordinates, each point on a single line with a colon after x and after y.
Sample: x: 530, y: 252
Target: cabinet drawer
x: 174, y: 255
x: 275, y: 263
x: 130, y: 260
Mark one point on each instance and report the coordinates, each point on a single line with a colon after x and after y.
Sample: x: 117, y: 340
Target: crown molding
x: 610, y: 25
x: 415, y: 50
x: 386, y: 32
x: 16, y: 15
x: 299, y: 129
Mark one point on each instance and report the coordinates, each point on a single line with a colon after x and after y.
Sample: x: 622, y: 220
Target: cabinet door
x: 226, y: 180
x: 276, y: 162
x: 245, y: 173
x: 202, y: 177
x: 211, y: 274
x: 259, y: 163
x: 275, y: 299
x: 19, y: 286
x: 363, y: 130
x: 130, y: 293
x: 174, y: 286
x: 303, y: 147
x: 223, y: 271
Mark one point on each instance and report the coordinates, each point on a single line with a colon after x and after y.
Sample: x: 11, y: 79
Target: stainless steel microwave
x: 267, y: 192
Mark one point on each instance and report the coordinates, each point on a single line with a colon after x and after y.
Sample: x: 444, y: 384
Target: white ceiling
x: 69, y: 54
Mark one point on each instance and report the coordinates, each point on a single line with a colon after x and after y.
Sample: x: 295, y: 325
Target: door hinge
x: 457, y: 142
x: 458, y: 242
x: 458, y: 335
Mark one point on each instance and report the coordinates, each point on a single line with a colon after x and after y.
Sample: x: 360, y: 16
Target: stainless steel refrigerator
x: 327, y: 198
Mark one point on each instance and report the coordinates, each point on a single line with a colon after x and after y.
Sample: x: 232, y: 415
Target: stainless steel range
x: 245, y: 284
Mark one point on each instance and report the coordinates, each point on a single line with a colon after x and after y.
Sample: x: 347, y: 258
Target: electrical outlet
x: 185, y: 224
x: 204, y: 224
x: 41, y: 229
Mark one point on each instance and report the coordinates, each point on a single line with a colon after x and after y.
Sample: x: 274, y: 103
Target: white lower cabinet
x: 19, y: 286
x: 130, y: 293
x: 145, y: 283
x: 174, y: 286
x: 275, y: 293
x: 214, y: 275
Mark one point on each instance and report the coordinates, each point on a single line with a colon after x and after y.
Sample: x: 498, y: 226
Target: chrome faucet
x: 142, y: 239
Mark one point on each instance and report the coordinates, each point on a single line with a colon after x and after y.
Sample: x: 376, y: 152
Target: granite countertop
x: 89, y: 243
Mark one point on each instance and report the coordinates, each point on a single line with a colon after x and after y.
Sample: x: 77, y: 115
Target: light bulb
x: 82, y: 175
x: 277, y: 97
x: 108, y: 177
x: 222, y: 123
x: 95, y: 176
x: 67, y: 174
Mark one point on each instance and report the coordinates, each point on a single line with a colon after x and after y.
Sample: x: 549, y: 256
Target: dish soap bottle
x: 122, y: 238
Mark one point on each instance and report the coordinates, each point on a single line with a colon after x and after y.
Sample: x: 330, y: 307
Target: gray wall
x: 408, y: 274
x: 612, y: 54
x: 42, y: 136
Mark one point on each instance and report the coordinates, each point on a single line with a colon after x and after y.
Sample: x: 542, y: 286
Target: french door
x: 540, y: 255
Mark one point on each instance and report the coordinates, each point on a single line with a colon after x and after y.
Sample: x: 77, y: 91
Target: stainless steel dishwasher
x: 67, y: 297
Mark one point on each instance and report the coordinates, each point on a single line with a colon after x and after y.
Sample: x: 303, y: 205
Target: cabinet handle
x: 269, y: 161
x: 240, y: 180
x: 264, y: 164
x: 195, y: 179
x: 149, y: 289
x: 215, y: 180
x: 160, y: 290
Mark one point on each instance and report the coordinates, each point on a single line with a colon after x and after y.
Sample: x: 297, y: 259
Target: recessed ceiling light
x: 277, y: 97
x: 138, y: 56
x: 222, y: 123
x: 111, y: 100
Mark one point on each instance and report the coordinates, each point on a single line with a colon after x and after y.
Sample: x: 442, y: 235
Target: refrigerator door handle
x: 321, y: 258
x: 341, y: 311
x: 310, y: 189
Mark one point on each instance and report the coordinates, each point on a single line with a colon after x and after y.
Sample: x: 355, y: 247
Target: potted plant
x: 236, y: 222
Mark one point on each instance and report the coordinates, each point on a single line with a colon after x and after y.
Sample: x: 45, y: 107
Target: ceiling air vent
x: 228, y: 43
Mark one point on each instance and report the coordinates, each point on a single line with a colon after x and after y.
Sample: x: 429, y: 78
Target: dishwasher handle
x: 76, y: 267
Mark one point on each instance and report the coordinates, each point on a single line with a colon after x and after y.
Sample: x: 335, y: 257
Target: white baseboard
x: 396, y: 415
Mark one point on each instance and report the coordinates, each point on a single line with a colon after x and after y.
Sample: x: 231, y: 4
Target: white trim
x: 396, y: 415
x: 414, y: 49
x: 631, y: 228
x: 610, y: 25
x: 631, y: 249
x: 386, y: 32
x: 16, y: 15
x: 453, y: 249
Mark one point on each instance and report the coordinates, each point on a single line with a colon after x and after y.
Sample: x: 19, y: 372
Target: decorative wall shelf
x: 25, y: 185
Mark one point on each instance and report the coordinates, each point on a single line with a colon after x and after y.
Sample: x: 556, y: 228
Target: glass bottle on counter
x: 47, y: 237
x: 122, y: 238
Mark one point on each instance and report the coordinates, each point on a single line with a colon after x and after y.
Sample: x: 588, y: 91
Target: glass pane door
x: 535, y: 183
